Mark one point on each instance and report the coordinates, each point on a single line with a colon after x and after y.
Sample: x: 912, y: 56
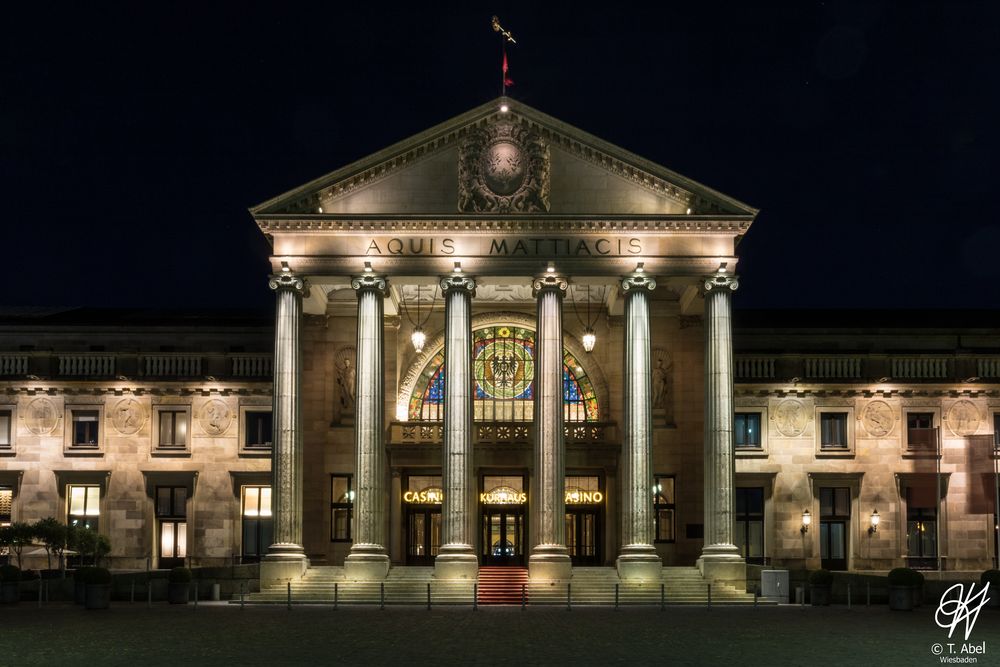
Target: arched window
x: 503, y: 363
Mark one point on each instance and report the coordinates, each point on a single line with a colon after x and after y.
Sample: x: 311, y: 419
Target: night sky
x: 133, y: 137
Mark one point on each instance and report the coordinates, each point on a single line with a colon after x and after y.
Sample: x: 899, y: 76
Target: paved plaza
x: 224, y: 634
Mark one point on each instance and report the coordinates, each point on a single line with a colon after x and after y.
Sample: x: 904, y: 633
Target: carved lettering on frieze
x: 503, y: 168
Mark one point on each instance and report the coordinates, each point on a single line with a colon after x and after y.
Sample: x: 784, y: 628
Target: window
x: 6, y: 429
x: 750, y: 523
x: 84, y: 505
x: 6, y: 505
x: 258, y: 529
x: 921, y: 432
x: 341, y: 507
x: 171, y: 515
x: 85, y: 428
x: 257, y: 429
x: 664, y: 508
x: 833, y: 430
x: 835, y: 517
x: 747, y: 430
x: 172, y: 429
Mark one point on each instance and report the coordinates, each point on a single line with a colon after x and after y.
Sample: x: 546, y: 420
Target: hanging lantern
x: 419, y: 338
x: 589, y: 340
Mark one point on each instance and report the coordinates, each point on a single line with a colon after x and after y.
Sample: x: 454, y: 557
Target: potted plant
x: 98, y: 589
x: 16, y: 536
x: 904, y: 587
x: 10, y: 584
x: 80, y: 576
x: 53, y: 536
x: 820, y: 583
x: 179, y: 590
x: 992, y: 577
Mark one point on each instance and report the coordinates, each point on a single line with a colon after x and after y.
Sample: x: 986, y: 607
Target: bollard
x: 131, y: 595
x: 709, y: 597
x: 803, y: 598
x: 616, y: 597
x: 40, y: 582
x: 428, y: 596
x: 663, y: 596
x: 848, y: 595
x: 569, y: 604
x: 475, y: 596
x: 149, y: 594
x: 524, y: 588
x: 196, y: 596
x: 381, y: 595
x: 242, y: 587
x: 868, y: 593
x: 288, y: 599
x: 756, y: 591
x: 336, y: 595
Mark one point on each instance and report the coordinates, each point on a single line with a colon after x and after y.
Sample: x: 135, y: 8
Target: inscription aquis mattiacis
x: 506, y: 247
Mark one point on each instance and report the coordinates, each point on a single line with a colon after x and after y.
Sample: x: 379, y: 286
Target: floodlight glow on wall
x: 876, y: 519
x: 806, y: 520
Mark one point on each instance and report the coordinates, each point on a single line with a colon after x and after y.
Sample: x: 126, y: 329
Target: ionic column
x: 549, y: 557
x: 457, y: 558
x: 720, y: 558
x: 638, y: 558
x: 285, y: 558
x: 368, y: 559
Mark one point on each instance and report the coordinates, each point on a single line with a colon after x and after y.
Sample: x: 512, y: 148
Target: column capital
x: 722, y: 281
x: 638, y: 281
x: 286, y: 280
x: 550, y: 281
x: 458, y: 281
x: 369, y: 281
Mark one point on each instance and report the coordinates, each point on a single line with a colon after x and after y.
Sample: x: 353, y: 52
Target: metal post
x: 149, y: 593
x: 663, y: 596
x: 428, y: 596
x: 616, y: 597
x: 131, y: 595
x: 868, y: 593
x: 937, y: 497
x: 523, y: 595
x: 242, y: 587
x: 755, y: 592
x: 569, y: 604
x: 848, y: 595
x: 475, y: 597
x: 381, y: 595
x: 996, y: 491
x: 196, y: 596
x: 709, y: 597
x: 336, y: 595
x: 288, y: 598
x: 40, y: 583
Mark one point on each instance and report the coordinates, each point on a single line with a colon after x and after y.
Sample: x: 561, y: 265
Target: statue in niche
x: 663, y: 387
x: 346, y: 375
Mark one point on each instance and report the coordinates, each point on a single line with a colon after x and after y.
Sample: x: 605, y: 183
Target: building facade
x: 506, y: 342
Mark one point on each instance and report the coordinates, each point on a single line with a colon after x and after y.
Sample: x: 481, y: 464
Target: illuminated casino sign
x: 575, y: 496
x: 503, y: 495
x: 429, y: 496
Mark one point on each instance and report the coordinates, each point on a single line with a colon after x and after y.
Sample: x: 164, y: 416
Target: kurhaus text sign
x: 612, y: 246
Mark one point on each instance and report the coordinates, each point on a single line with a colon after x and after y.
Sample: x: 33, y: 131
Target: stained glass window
x: 503, y: 363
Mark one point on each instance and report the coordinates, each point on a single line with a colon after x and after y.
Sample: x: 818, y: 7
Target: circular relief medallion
x: 878, y: 418
x: 790, y: 418
x: 504, y: 369
x: 503, y: 168
x: 215, y: 417
x: 40, y: 416
x: 963, y: 418
x: 128, y: 416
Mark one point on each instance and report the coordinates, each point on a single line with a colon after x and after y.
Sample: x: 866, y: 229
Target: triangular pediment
x: 460, y: 167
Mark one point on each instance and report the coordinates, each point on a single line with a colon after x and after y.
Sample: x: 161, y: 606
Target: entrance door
x: 835, y: 516
x: 503, y: 535
x: 750, y: 523
x: 423, y: 535
x: 582, y: 539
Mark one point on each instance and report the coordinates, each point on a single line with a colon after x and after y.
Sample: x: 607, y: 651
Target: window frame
x: 159, y: 449
x: 848, y: 450
x: 752, y: 452
x: 254, y: 450
x: 9, y: 517
x: 257, y: 520
x: 935, y: 412
x: 69, y: 505
x: 336, y: 505
x: 71, y: 448
x: 9, y: 449
x: 658, y: 506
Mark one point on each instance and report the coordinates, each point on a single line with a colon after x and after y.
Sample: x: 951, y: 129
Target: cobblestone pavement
x: 221, y: 634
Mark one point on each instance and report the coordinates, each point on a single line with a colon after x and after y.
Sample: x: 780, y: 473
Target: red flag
x: 507, y: 81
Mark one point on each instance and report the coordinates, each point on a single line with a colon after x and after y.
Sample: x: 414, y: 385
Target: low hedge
x: 991, y: 577
x: 9, y: 573
x: 821, y: 578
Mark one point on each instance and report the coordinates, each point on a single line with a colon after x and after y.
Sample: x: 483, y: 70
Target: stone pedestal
x: 720, y: 558
x: 638, y: 559
x: 368, y: 560
x: 457, y: 557
x: 549, y: 557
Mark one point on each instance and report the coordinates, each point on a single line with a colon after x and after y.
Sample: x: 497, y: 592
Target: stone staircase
x: 500, y: 585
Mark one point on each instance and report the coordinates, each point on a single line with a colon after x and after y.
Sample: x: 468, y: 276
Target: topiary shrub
x: 180, y: 575
x: 10, y: 573
x: 820, y: 578
x: 99, y: 576
x: 991, y: 577
x: 904, y: 576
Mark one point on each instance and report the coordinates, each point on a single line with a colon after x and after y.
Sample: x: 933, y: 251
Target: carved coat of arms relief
x: 503, y: 168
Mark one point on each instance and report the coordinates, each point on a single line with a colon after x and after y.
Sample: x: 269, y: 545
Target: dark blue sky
x: 134, y: 136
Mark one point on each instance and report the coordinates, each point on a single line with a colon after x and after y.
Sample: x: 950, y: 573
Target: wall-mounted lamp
x: 319, y: 209
x: 458, y: 267
x: 884, y: 378
x: 550, y: 269
x: 722, y: 267
x: 640, y: 267
x: 875, y: 521
x: 368, y: 267
x: 284, y: 267
x: 806, y: 520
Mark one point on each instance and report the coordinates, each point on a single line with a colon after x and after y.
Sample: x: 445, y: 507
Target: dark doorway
x: 423, y: 534
x: 750, y: 523
x: 835, y: 517
x: 503, y: 535
x: 583, y: 535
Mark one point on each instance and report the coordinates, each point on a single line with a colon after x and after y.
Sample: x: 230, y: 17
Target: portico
x: 504, y: 226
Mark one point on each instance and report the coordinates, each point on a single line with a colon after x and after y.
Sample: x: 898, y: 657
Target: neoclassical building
x: 504, y: 341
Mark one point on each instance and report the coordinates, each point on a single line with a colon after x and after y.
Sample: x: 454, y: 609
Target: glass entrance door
x: 423, y: 535
x: 835, y: 516
x: 582, y: 536
x: 503, y: 535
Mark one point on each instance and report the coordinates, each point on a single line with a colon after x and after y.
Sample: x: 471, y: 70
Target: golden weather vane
x: 500, y: 29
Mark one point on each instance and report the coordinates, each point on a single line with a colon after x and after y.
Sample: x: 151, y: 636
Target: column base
x: 549, y: 562
x: 366, y: 562
x: 456, y: 561
x: 639, y: 562
x: 283, y: 563
x: 722, y: 563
